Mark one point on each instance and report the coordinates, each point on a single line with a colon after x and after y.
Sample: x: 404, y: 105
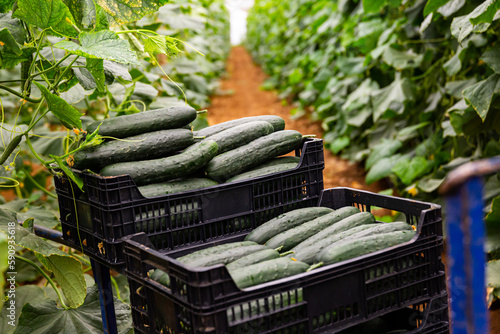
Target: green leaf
x: 476, y: 21
x: 46, y: 317
x: 125, y: 11
x: 385, y: 148
x: 382, y: 168
x: 6, y: 6
x: 393, y: 97
x: 24, y: 294
x: 401, y: 60
x: 492, y: 58
x: 433, y: 5
x: 155, y: 44
x: 339, y: 144
x: 373, y: 6
x: 410, y: 131
x: 494, y: 214
x: 9, y: 41
x: 15, y: 27
x: 480, y: 95
x: 68, y: 172
x: 493, y: 280
x: 45, y: 14
x: 83, y: 12
x: 61, y: 109
x: 42, y: 216
x: 488, y: 10
x: 451, y: 7
x: 428, y: 184
x: 408, y: 170
x: 96, y: 68
x: 9, y: 60
x: 103, y: 44
x: 67, y: 270
x: 4, y: 261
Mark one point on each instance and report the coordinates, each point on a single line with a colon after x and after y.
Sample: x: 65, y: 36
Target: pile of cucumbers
x: 161, y: 153
x: 299, y: 241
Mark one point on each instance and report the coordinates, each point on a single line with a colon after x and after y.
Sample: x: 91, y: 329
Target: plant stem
x: 47, y: 277
x: 39, y: 186
x: 117, y: 290
x: 28, y: 141
x: 52, y: 67
x: 29, y: 99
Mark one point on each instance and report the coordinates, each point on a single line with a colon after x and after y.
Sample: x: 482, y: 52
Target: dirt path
x: 244, y: 79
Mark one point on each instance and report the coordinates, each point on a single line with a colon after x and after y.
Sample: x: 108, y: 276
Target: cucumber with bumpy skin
x: 245, y: 157
x: 175, y: 186
x: 351, y: 248
x: 281, y: 160
x: 146, y: 121
x: 224, y: 257
x: 260, y: 256
x: 277, y: 122
x: 164, y: 169
x: 284, y: 222
x: 290, y: 238
x: 151, y: 145
x: 240, y: 135
x: 261, y: 171
x: 267, y: 271
x: 214, y: 250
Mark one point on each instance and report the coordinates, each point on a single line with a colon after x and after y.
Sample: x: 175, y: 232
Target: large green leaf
x: 382, y: 168
x: 409, y: 169
x: 493, y: 216
x: 67, y: 270
x: 451, y: 7
x: 433, y: 5
x: 429, y: 184
x: 124, y: 11
x: 493, y: 280
x: 9, y: 42
x: 83, y: 11
x: 385, y: 148
x: 47, y: 318
x: 24, y: 294
x: 103, y: 44
x: 68, y: 115
x: 6, y: 6
x: 41, y: 216
x: 480, y: 95
x: 401, y: 60
x: 476, y: 21
x: 96, y: 68
x: 373, y: 6
x: 9, y: 60
x: 393, y: 97
x: 492, y: 58
x: 410, y: 132
x: 488, y: 10
x: 15, y: 27
x: 53, y: 14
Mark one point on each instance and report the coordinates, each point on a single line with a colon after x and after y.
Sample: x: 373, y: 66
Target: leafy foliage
x: 409, y: 87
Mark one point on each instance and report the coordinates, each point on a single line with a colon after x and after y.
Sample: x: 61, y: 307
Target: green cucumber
x: 160, y: 276
x: 285, y: 222
x: 261, y: 171
x: 289, y: 159
x: 156, y: 220
x: 146, y: 121
x: 307, y: 250
x: 354, y: 247
x: 263, y: 255
x: 151, y: 145
x: 245, y: 157
x: 224, y: 257
x: 240, y: 135
x: 290, y: 238
x: 277, y: 122
x: 175, y: 186
x: 214, y: 250
x: 267, y: 271
x: 164, y: 169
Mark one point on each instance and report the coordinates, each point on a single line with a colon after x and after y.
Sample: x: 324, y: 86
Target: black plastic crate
x: 328, y: 299
x: 110, y: 208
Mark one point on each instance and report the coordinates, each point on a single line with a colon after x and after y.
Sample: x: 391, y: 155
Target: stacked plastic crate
x: 403, y: 286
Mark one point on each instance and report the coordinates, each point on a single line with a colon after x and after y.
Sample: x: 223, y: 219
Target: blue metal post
x: 103, y: 281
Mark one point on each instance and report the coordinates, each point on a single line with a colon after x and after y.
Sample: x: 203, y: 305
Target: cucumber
x: 240, y: 135
x: 160, y: 276
x: 281, y: 160
x: 151, y: 145
x: 307, y: 250
x: 263, y: 255
x: 164, y: 169
x: 277, y: 122
x: 146, y: 121
x: 245, y: 157
x: 285, y: 222
x: 351, y: 248
x: 224, y: 257
x: 214, y: 250
x: 290, y: 238
x: 261, y: 171
x: 156, y: 220
x: 267, y: 271
x: 175, y: 186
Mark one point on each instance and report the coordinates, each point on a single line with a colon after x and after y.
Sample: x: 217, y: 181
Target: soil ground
x: 243, y: 97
